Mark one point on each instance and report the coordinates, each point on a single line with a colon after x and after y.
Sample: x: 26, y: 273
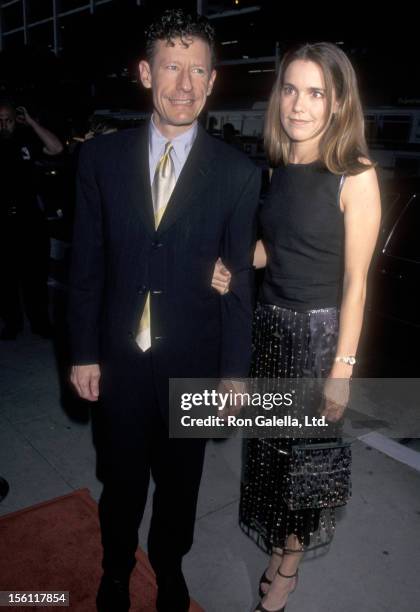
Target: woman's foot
x: 276, y: 598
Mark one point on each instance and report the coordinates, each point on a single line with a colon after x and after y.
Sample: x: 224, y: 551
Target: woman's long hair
x: 343, y: 140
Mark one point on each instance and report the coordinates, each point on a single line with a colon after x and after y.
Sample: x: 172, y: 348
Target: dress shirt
x: 181, y: 148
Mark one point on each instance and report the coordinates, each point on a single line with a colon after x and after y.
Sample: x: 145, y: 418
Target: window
x: 370, y: 128
x: 68, y: 5
x: 406, y: 166
x: 417, y: 130
x: 394, y: 128
x: 77, y: 36
x: 36, y: 11
x: 252, y: 126
x: 12, y: 16
x: 12, y: 42
x: 42, y: 35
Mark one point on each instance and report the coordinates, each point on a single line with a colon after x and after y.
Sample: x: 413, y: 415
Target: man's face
x: 7, y: 122
x: 181, y: 78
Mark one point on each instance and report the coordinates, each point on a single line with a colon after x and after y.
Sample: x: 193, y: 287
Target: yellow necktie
x: 162, y: 187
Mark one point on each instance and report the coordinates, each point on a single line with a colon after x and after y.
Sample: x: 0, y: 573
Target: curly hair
x: 176, y: 23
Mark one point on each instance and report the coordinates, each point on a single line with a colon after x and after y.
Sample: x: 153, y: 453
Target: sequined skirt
x: 286, y: 344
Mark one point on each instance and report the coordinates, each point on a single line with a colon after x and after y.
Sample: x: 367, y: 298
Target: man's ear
x: 145, y: 74
x: 211, y: 82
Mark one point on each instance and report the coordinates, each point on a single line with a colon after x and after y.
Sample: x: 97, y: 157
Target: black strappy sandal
x: 260, y: 607
x: 264, y: 579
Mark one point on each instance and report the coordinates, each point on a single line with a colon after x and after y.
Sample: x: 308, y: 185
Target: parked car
x: 391, y: 339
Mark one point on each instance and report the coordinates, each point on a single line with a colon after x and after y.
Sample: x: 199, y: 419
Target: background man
x: 156, y: 208
x: 24, y: 242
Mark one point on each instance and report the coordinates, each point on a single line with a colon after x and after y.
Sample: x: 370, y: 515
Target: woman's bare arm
x: 360, y: 202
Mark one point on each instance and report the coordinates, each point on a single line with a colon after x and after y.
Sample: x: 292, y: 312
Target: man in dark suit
x: 156, y: 208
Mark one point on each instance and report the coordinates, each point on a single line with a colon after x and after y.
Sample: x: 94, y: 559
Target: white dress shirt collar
x: 181, y: 147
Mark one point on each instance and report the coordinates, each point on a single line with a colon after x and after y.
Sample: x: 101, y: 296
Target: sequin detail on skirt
x: 286, y: 344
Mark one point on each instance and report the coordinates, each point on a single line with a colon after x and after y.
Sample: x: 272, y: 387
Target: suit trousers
x: 132, y: 442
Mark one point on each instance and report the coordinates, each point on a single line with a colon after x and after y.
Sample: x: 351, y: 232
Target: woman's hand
x: 221, y: 278
x: 336, y: 397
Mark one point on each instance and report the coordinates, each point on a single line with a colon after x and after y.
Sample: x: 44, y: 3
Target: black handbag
x: 317, y: 475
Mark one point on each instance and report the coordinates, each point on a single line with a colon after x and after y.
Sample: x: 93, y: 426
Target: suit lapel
x: 192, y: 180
x: 138, y: 180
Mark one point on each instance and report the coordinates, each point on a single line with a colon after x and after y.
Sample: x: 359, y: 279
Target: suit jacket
x: 118, y: 258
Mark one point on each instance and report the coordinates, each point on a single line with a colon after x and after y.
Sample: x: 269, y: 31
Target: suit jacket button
x: 142, y: 289
x: 156, y: 244
x: 157, y: 291
x: 158, y: 337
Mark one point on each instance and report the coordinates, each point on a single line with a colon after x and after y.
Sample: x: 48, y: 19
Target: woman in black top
x: 319, y: 227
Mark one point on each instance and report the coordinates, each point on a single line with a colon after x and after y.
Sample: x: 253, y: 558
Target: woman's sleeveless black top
x: 303, y: 233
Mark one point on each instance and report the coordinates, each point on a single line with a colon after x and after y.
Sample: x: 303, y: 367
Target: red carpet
x: 56, y: 546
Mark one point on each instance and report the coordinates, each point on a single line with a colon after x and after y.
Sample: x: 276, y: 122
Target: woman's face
x: 303, y: 102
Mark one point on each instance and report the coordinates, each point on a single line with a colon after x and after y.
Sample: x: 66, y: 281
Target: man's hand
x: 52, y: 145
x: 85, y: 379
x: 22, y: 116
